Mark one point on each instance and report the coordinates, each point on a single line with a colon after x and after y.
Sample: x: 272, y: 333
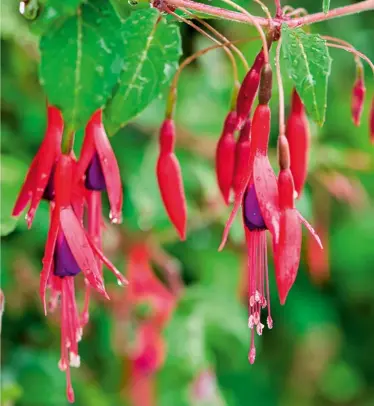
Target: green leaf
x: 51, y: 11
x: 326, y: 6
x: 309, y: 65
x: 152, y: 50
x: 81, y: 61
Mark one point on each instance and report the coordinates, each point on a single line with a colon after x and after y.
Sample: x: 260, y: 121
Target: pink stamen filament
x: 258, y: 285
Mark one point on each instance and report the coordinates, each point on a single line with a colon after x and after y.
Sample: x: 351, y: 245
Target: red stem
x: 297, y: 22
x: 278, y: 6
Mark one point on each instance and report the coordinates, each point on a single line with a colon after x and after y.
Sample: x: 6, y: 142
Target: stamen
x: 258, y: 287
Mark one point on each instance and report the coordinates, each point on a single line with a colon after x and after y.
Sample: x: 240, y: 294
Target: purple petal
x: 252, y: 214
x: 65, y: 263
x: 94, y: 175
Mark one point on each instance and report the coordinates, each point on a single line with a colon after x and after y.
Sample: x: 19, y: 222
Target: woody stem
x: 278, y: 8
x: 297, y: 22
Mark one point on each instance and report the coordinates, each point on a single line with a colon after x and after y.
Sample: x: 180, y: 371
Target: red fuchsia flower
x: 358, y: 97
x: 149, y: 354
x: 38, y: 183
x: 298, y: 136
x: 65, y: 225
x: 145, y: 288
x: 260, y: 213
x: 98, y: 166
x: 169, y: 178
x: 69, y: 250
x: 258, y: 148
x: 146, y: 361
x: 225, y: 156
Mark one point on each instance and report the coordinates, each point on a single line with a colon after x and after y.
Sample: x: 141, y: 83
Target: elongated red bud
x: 298, y: 136
x: 242, y: 164
x: 358, y: 98
x: 167, y: 136
x: 371, y: 122
x: 225, y: 156
x: 169, y: 177
x: 248, y: 89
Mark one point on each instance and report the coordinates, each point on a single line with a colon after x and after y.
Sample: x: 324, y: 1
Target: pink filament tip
x: 252, y: 356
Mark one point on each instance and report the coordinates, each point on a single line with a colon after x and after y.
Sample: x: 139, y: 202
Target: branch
x: 337, y: 12
x: 217, y: 11
x: 242, y: 18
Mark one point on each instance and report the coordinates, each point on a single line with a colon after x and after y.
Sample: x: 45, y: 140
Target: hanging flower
x: 98, y: 166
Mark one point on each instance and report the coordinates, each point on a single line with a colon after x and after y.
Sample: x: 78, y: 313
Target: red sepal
x: 48, y: 256
x: 225, y: 156
x: 109, y: 166
x: 287, y: 254
x: 81, y: 249
x: 266, y: 189
x: 242, y: 152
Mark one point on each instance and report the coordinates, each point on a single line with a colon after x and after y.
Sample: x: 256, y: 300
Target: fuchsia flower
x: 149, y: 354
x: 98, y: 166
x: 358, y: 97
x: 68, y: 251
x: 38, y: 183
x: 145, y: 287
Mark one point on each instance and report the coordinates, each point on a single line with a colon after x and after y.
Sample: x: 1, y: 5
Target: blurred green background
x: 320, y: 351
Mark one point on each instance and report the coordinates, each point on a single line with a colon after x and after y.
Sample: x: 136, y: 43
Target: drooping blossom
x: 358, y: 97
x: 148, y: 354
x: 69, y: 250
x: 169, y: 179
x: 257, y: 150
x: 38, y: 183
x: 98, y: 166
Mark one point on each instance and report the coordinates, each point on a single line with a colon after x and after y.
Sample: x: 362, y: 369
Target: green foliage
x: 152, y: 49
x: 309, y: 65
x: 81, y: 61
x: 318, y: 351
